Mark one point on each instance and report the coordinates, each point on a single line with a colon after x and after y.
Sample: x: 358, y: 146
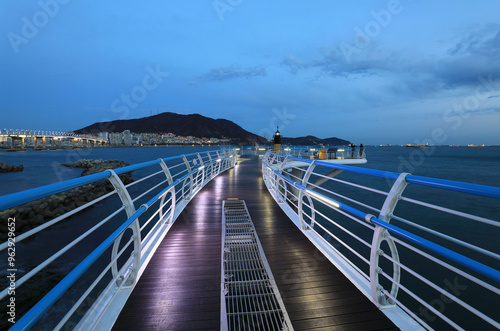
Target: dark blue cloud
x: 226, y: 73
x: 293, y: 64
x: 474, y: 55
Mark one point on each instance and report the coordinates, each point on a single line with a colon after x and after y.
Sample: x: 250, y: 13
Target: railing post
x: 271, y: 160
x: 304, y: 182
x: 136, y: 230
x: 235, y: 158
x: 277, y: 181
x: 122, y: 193
x: 307, y: 175
x: 186, y: 162
x: 303, y: 226
x: 172, y: 210
x: 188, y: 178
x: 265, y: 158
x: 282, y: 166
x: 202, y: 175
x: 166, y: 171
x: 380, y: 234
x: 199, y: 158
x: 130, y: 210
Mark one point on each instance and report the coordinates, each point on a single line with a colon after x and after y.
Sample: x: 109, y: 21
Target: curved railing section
x: 122, y: 240
x: 417, y: 247
x: 323, y: 153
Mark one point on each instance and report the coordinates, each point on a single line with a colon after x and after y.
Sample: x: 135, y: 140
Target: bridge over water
x: 19, y: 140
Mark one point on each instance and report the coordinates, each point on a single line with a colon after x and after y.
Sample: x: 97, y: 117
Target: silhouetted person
x: 353, y: 149
x: 361, y: 147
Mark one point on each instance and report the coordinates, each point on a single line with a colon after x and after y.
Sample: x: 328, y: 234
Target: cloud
x: 226, y: 73
x: 477, y: 53
x: 334, y: 64
x: 483, y: 42
x: 293, y: 64
x: 473, y: 54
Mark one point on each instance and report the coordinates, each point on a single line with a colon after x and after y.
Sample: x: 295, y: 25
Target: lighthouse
x: 277, y: 140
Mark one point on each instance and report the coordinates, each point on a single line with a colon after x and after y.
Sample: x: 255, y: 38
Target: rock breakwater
x: 35, y: 213
x: 6, y: 167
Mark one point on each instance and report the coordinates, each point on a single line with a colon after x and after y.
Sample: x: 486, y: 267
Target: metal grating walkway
x: 250, y: 299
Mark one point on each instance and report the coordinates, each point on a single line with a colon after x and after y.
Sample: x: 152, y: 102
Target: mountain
x: 312, y: 140
x: 181, y: 125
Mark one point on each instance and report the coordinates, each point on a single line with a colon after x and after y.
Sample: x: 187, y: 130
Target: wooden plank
x: 180, y: 289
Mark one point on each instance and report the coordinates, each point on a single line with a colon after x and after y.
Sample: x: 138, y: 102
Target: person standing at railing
x: 361, y: 148
x: 353, y: 149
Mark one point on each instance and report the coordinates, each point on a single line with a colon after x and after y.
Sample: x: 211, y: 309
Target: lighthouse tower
x: 277, y: 140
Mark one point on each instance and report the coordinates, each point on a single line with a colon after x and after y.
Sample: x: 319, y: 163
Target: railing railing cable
x: 288, y: 179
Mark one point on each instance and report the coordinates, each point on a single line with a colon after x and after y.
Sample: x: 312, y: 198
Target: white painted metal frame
x: 282, y: 184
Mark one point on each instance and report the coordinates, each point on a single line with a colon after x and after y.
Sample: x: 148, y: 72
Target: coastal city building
x: 128, y: 138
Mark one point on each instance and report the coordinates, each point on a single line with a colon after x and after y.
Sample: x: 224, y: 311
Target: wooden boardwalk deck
x: 180, y: 288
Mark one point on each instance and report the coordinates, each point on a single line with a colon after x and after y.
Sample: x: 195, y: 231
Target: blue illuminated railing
x: 161, y: 191
x: 422, y: 266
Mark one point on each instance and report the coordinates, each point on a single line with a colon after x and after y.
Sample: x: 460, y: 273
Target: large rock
x: 35, y: 213
x: 5, y: 167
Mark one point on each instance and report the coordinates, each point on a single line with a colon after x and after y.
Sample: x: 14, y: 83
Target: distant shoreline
x: 117, y: 146
x: 30, y: 149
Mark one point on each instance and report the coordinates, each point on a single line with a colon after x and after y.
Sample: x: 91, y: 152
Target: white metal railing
x: 138, y: 230
x: 316, y: 153
x: 409, y: 259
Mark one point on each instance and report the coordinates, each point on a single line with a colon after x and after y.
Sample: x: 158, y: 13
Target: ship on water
x: 417, y: 145
x: 280, y: 239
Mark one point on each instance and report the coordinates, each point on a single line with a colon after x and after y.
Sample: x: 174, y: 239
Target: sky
x: 372, y: 72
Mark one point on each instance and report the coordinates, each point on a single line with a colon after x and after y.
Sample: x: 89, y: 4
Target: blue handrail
x: 463, y: 260
x: 19, y: 198
x: 461, y: 187
x: 482, y: 190
x: 16, y: 199
x: 476, y: 189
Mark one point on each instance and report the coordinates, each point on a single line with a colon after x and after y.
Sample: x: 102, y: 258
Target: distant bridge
x: 19, y: 140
